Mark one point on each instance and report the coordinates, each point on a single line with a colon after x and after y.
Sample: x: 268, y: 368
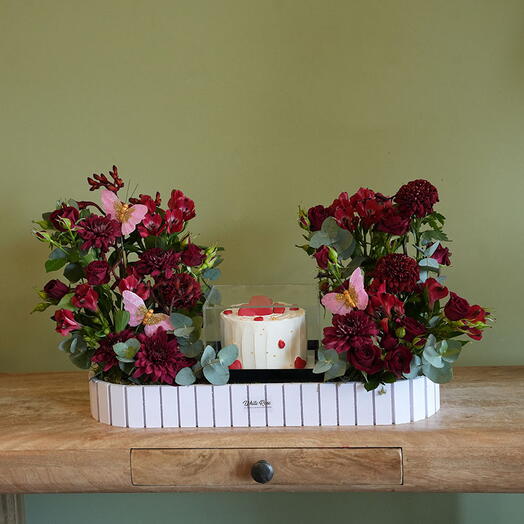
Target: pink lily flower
x: 355, y: 297
x: 139, y: 314
x: 128, y: 215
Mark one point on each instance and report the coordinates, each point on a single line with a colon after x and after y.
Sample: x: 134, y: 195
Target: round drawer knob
x: 262, y: 471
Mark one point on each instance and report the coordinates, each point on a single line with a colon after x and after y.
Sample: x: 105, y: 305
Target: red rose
x: 85, y: 297
x: 97, y: 272
x: 399, y: 272
x: 457, y: 307
x: 317, y: 215
x: 131, y: 283
x: 441, y: 255
x: 69, y: 212
x: 65, y: 321
x: 55, y: 290
x: 393, y: 222
x: 398, y: 361
x: 181, y: 291
x: 388, y: 342
x: 152, y: 225
x: 367, y: 358
x: 477, y: 314
x: 322, y: 257
x: 413, y: 328
x: 435, y: 291
x: 416, y: 198
x: 193, y: 256
x: 183, y: 203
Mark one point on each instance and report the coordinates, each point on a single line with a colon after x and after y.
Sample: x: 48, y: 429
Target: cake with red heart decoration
x: 269, y: 335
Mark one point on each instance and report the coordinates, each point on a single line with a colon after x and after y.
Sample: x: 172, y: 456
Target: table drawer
x: 291, y: 466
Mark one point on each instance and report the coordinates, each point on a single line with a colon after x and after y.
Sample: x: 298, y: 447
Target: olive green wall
x: 253, y: 107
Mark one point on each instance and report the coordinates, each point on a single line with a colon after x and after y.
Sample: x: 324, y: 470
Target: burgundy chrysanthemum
x: 105, y: 354
x: 399, y: 272
x: 160, y: 358
x: 157, y: 262
x: 349, y: 331
x: 416, y: 198
x: 98, y: 232
x: 181, y: 291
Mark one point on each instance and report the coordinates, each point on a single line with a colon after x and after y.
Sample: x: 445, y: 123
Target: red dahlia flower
x: 105, y: 354
x: 180, y: 201
x: 160, y: 358
x: 181, y: 291
x: 347, y: 330
x: 65, y: 322
x: 85, y: 297
x: 98, y: 232
x: 399, y: 272
x: 157, y: 262
x: 416, y: 198
x: 69, y: 212
x: 398, y: 361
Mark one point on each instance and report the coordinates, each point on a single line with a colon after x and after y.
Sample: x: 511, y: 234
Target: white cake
x: 275, y: 338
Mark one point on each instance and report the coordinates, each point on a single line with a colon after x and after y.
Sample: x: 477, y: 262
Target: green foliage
x: 121, y: 320
x: 126, y: 351
x: 216, y: 367
x: 57, y: 259
x: 185, y: 377
x: 330, y: 363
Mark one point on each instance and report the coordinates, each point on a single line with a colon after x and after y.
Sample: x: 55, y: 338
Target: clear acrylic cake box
x: 274, y: 326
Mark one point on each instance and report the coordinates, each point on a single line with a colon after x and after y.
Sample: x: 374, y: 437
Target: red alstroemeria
x: 183, y: 203
x: 152, y: 225
x: 131, y: 283
x: 435, y: 291
x: 174, y: 220
x: 148, y: 201
x: 65, y: 322
x: 85, y: 297
x: 383, y: 303
x: 366, y: 205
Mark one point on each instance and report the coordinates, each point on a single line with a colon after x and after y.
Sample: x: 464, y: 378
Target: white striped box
x: 261, y: 405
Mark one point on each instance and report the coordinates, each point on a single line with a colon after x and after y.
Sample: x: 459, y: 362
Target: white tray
x: 259, y: 405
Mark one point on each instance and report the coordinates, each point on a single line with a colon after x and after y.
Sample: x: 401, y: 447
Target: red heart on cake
x: 236, y: 365
x: 257, y: 305
x: 300, y: 363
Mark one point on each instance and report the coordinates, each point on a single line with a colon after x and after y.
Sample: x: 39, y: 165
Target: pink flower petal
x: 109, y: 200
x: 335, y: 303
x: 135, y: 306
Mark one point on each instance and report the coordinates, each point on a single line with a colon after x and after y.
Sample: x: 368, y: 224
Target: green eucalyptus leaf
x: 432, y: 356
x: 189, y: 349
x: 438, y: 375
x: 414, y: 368
x: 228, y: 354
x: 65, y: 302
x: 82, y: 359
x: 180, y: 321
x: 322, y: 366
x: 183, y: 332
x: 429, y: 264
x: 319, y: 239
x: 57, y: 259
x: 431, y: 250
x: 338, y: 369
x: 121, y: 320
x: 207, y: 356
x: 216, y: 373
x: 211, y: 273
x: 185, y: 377
x: 127, y: 349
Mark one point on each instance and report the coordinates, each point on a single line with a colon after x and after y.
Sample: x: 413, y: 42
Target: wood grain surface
x: 299, y: 466
x: 50, y: 443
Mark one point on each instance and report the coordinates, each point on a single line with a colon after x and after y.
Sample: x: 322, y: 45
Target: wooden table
x: 49, y: 443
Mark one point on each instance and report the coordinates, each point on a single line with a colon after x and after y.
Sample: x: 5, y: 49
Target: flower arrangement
x: 135, y: 283
x: 389, y: 320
